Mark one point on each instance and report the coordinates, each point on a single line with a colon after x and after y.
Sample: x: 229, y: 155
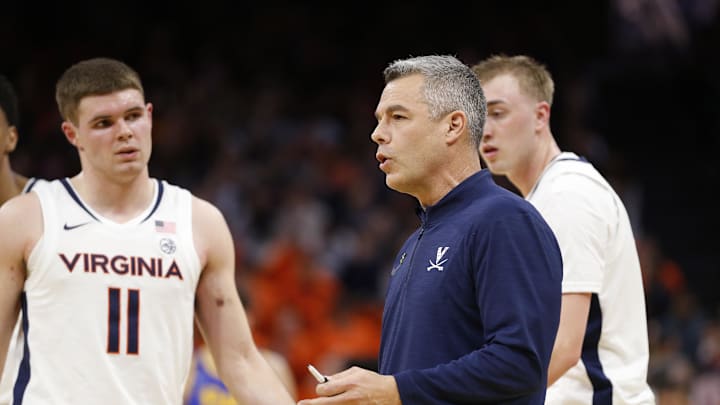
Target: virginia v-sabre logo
x: 439, y: 261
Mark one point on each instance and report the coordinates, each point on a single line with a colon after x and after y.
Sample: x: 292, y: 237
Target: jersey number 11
x: 114, y: 319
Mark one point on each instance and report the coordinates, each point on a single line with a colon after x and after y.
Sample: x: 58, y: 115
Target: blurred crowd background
x: 266, y: 110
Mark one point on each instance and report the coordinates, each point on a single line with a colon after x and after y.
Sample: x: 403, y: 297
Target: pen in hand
x: 319, y: 377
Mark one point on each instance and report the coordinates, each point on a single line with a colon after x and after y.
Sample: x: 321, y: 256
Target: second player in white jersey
x: 12, y: 184
x: 16, y: 348
x: 615, y: 352
x: 600, y: 354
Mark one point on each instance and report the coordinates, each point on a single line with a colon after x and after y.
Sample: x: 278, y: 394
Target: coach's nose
x: 380, y: 134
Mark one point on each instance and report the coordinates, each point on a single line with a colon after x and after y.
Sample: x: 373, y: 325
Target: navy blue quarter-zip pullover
x: 473, y: 302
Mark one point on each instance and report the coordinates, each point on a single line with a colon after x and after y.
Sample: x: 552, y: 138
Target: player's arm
x: 221, y: 316
x: 571, y: 333
x: 20, y: 226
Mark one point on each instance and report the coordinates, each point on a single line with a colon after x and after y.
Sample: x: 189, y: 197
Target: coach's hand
x: 356, y: 386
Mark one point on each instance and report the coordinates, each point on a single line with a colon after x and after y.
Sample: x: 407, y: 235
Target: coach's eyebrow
x: 391, y: 109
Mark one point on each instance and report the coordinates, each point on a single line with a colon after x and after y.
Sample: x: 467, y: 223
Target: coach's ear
x: 456, y: 123
x: 70, y: 132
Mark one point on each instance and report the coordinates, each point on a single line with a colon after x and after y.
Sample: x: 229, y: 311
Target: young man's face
x: 113, y: 133
x: 510, y: 131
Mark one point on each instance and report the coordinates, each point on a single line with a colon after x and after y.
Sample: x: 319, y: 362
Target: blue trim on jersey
x: 30, y: 184
x: 161, y: 189
x: 75, y: 197
x: 23, y: 377
x: 71, y: 191
x: 602, y: 387
x: 578, y: 159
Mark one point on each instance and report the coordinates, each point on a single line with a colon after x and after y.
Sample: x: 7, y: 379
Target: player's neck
x: 117, y: 201
x: 531, y: 173
x: 10, y: 183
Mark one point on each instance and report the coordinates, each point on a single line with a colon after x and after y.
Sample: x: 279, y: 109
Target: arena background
x: 266, y: 109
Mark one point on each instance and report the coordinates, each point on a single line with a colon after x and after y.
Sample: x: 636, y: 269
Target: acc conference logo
x: 167, y: 246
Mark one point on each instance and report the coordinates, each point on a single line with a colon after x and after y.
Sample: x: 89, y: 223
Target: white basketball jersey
x: 599, y: 255
x: 15, y: 350
x: 108, y: 308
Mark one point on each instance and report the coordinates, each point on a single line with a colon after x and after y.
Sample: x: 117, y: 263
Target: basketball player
x: 110, y: 266
x: 11, y: 184
x: 601, y: 349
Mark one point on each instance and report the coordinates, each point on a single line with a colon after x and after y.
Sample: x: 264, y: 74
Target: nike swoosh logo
x: 71, y: 227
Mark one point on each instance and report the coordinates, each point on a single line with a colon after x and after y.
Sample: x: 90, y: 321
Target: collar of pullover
x: 464, y: 194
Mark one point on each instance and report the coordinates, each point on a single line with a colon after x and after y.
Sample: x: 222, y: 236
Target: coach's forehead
x: 405, y: 92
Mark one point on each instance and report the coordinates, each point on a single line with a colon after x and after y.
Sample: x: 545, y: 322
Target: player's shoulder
x: 571, y: 171
x: 20, y: 204
x: 202, y: 210
x: 582, y: 183
x: 204, y: 207
x: 22, y: 214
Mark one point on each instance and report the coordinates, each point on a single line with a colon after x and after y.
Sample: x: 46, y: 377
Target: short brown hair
x: 532, y: 76
x: 93, y: 77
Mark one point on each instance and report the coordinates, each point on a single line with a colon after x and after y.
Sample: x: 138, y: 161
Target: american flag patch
x: 165, y: 226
